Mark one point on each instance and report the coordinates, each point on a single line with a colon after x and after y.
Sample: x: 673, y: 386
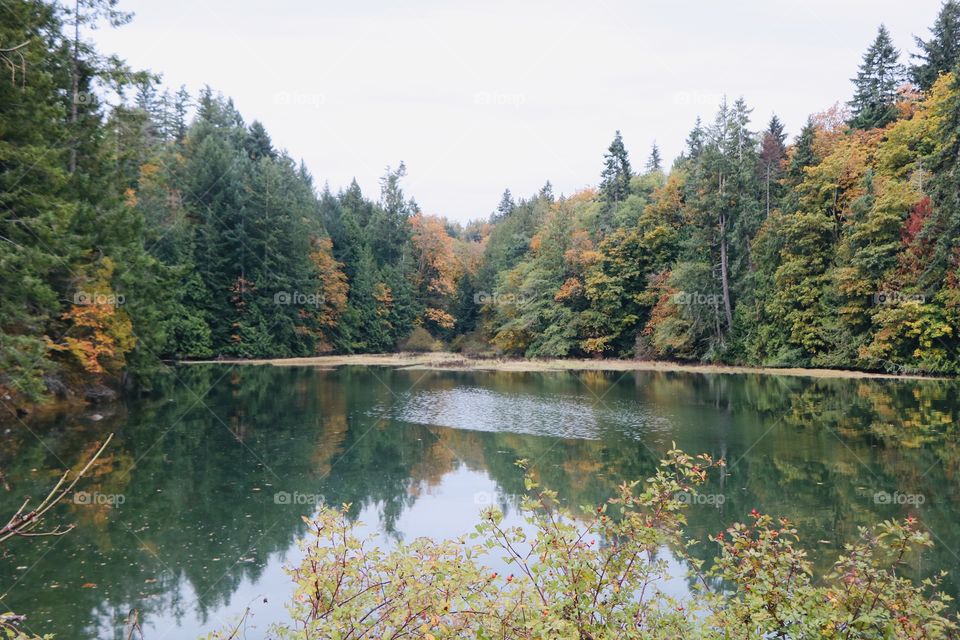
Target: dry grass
x: 457, y: 362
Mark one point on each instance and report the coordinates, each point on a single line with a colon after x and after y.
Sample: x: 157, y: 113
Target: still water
x: 195, y: 511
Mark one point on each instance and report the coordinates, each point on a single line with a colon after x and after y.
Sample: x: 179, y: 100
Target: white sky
x: 479, y: 96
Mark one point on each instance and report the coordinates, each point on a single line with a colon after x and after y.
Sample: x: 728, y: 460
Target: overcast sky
x: 476, y: 97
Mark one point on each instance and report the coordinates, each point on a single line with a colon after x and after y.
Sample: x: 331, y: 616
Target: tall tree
x: 505, y: 207
x: 695, y: 140
x: 772, y: 153
x: 615, y: 178
x: 941, y: 52
x: 875, y: 87
x: 803, y: 153
x: 87, y: 13
x: 653, y: 162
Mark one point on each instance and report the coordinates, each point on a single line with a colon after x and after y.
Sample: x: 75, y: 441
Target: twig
x: 23, y: 522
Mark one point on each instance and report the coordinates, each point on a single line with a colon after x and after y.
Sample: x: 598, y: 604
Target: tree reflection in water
x: 200, y: 465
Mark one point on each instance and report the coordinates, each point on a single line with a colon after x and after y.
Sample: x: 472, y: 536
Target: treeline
x: 139, y: 225
x: 839, y: 249
x: 132, y: 233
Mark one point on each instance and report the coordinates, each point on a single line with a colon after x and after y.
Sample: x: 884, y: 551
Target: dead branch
x: 24, y: 522
x: 15, y: 61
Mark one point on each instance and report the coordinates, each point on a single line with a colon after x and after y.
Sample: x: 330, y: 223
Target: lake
x: 195, y: 510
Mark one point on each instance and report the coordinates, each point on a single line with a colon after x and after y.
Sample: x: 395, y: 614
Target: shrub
x: 596, y: 575
x: 420, y: 341
x: 472, y: 345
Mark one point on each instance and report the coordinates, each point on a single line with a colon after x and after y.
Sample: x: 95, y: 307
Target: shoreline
x: 446, y: 361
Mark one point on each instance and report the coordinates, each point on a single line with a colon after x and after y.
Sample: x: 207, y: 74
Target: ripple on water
x: 568, y: 416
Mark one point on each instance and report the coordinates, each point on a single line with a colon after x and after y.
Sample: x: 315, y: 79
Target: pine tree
x: 387, y: 230
x: 504, y: 208
x: 772, y: 153
x: 941, y: 52
x: 876, y: 84
x: 180, y: 105
x: 803, y: 153
x: 257, y: 143
x: 723, y: 207
x: 615, y: 178
x: 36, y: 203
x: 546, y: 192
x: 653, y: 162
x: 742, y: 189
x: 88, y: 13
x: 695, y: 140
x: 372, y: 332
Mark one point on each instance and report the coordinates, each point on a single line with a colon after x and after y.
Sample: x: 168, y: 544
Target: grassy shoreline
x: 445, y: 361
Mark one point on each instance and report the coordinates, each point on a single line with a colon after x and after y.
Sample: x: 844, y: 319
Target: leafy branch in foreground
x: 601, y: 573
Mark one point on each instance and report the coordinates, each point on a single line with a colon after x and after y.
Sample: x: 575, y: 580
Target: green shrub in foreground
x: 600, y: 574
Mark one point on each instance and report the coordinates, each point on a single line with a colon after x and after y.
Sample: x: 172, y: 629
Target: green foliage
x: 421, y: 341
x: 876, y: 83
x: 941, y: 52
x: 749, y: 249
x: 596, y: 573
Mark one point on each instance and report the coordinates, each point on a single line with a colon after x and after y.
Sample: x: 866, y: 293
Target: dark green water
x: 208, y: 480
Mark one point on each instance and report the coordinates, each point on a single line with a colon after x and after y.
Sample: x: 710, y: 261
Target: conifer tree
x: 180, y: 105
x: 772, y: 153
x: 546, y: 192
x: 615, y: 178
x: 504, y: 208
x: 803, y: 153
x: 653, y: 162
x: 695, y: 140
x: 941, y: 52
x: 875, y: 87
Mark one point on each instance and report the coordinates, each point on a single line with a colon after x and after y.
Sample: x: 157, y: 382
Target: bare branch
x: 23, y: 522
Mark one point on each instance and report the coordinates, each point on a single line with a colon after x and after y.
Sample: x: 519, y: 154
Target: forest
x: 141, y: 225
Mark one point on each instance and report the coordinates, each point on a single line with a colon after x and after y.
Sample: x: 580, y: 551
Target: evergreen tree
x: 653, y: 162
x: 615, y: 178
x: 546, y: 192
x: 875, y: 87
x: 695, y: 140
x: 803, y: 153
x: 36, y: 203
x: 772, y: 153
x: 372, y: 331
x: 504, y: 208
x: 179, y: 117
x: 941, y: 52
x: 388, y: 226
x: 257, y: 142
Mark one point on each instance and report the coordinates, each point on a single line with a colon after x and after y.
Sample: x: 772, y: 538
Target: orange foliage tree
x: 437, y: 268
x: 99, y: 332
x: 332, y: 289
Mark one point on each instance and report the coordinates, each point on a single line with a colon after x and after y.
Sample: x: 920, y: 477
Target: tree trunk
x: 76, y: 86
x: 768, y: 189
x: 724, y: 278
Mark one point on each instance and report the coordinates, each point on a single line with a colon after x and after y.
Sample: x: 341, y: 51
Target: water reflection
x: 479, y: 409
x: 201, y: 533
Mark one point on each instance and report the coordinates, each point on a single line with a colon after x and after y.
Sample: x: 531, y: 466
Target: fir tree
x: 180, y: 105
x: 257, y: 143
x: 941, y: 52
x: 803, y: 153
x: 504, y: 208
x: 653, y: 162
x: 546, y: 192
x: 695, y: 140
x: 772, y: 153
x: 615, y: 178
x: 875, y: 87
